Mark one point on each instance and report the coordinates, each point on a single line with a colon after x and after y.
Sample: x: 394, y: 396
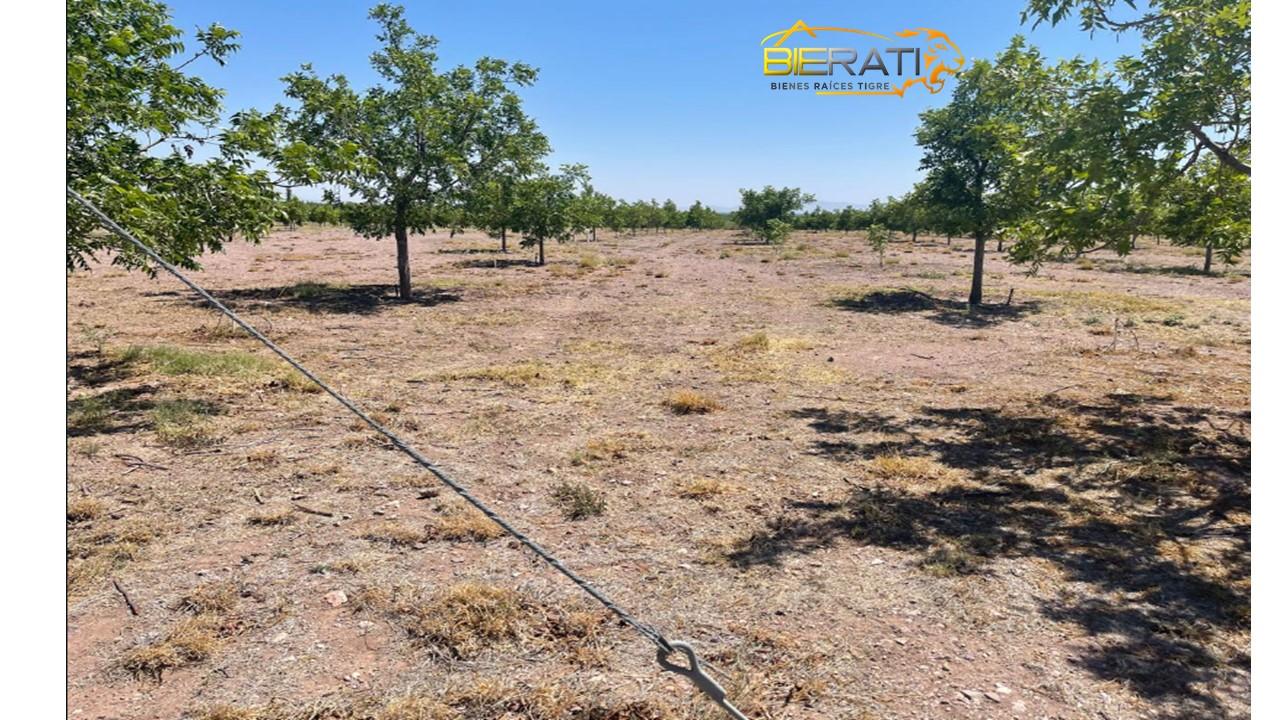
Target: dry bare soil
x: 857, y: 499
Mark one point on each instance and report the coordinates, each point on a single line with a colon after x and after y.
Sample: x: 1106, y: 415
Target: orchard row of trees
x: 425, y: 148
x: 1055, y: 159
x: 587, y: 211
x: 1062, y: 159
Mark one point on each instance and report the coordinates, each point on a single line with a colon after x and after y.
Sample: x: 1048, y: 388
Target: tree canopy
x: 136, y: 120
x: 543, y: 208
x: 770, y: 203
x: 418, y: 141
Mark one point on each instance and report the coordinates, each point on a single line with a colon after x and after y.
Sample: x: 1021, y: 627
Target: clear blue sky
x: 660, y: 99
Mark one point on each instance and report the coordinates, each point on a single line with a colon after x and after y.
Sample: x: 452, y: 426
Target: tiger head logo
x: 941, y: 57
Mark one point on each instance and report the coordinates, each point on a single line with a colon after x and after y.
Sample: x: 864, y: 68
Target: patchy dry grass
x: 969, y: 484
x: 183, y: 423
x: 219, y: 597
x: 1108, y: 301
x: 615, y: 446
x: 700, y: 488
x: 467, y: 619
x: 105, y: 548
x: 394, y: 534
x: 482, y: 699
x: 948, y: 559
x: 192, y: 639
x: 515, y: 375
x: 763, y: 342
x: 82, y: 509
x: 691, y: 402
x: 764, y: 358
x: 578, y: 501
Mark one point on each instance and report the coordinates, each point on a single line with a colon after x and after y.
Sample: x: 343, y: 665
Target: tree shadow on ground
x: 495, y: 263
x: 332, y: 298
x: 92, y: 369
x: 110, y: 412
x: 939, y: 310
x: 470, y: 251
x: 1142, y: 501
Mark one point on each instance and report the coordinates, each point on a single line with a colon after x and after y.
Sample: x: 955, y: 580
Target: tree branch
x: 1224, y: 155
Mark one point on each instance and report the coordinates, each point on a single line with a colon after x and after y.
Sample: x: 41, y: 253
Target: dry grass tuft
x: 266, y: 457
x: 92, y: 556
x: 609, y: 447
x: 577, y: 500
x: 468, y: 617
x: 462, y: 524
x: 948, y: 559
x: 762, y: 358
x: 691, y: 402
x: 395, y: 534
x: 270, y: 518
x: 211, y: 597
x: 910, y: 471
x: 702, y: 487
x: 193, y: 639
x: 82, y: 509
x: 150, y: 661
x: 762, y: 342
x: 516, y: 375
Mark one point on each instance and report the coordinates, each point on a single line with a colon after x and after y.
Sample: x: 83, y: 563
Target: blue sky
x: 660, y: 99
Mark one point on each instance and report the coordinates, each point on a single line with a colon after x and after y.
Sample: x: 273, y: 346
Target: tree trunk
x: 948, y: 239
x: 402, y: 261
x: 504, y: 239
x: 913, y: 235
x: 979, y: 251
x: 542, y: 257
x: 1208, y: 258
x: 1000, y: 245
x: 593, y: 234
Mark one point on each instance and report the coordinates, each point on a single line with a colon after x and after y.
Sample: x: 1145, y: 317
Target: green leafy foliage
x: 136, y: 121
x: 701, y: 217
x: 543, y: 207
x: 1209, y: 207
x: 1191, y: 84
x: 775, y: 231
x: 972, y: 149
x: 591, y: 209
x: 878, y: 236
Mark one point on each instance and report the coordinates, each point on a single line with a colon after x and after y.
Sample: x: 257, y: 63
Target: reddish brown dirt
x: 1073, y: 543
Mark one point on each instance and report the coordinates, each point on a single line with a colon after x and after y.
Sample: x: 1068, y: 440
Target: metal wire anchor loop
x: 700, y: 679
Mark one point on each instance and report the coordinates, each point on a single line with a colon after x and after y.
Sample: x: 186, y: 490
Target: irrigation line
x: 665, y: 647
